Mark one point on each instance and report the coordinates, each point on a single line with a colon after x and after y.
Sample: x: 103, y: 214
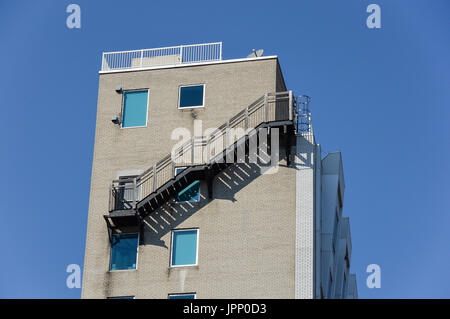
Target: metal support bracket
x: 209, y: 182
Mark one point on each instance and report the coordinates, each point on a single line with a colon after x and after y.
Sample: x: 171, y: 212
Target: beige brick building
x: 199, y: 222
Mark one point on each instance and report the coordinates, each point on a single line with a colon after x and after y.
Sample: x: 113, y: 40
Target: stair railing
x: 270, y: 107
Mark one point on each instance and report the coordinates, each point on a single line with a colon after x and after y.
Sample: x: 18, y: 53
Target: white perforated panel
x: 304, y: 254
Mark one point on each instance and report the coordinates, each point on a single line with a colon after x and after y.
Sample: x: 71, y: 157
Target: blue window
x: 190, y: 194
x: 124, y: 297
x: 184, y: 247
x: 124, y: 249
x: 182, y: 296
x: 135, y: 108
x: 191, y: 96
x: 178, y: 170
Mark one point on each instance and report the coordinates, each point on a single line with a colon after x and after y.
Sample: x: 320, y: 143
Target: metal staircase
x: 133, y: 199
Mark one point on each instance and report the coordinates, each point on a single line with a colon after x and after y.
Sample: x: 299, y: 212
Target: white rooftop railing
x: 144, y: 58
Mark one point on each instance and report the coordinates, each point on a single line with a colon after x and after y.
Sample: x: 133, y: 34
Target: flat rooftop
x: 168, y: 57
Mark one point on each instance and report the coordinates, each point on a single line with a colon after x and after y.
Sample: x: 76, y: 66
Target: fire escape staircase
x: 133, y: 199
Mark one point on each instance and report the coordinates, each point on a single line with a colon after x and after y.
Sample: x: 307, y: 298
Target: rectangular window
x: 182, y: 296
x: 184, y: 247
x: 124, y: 297
x: 178, y: 170
x: 135, y: 105
x: 190, y: 194
x: 191, y: 96
x: 124, y: 250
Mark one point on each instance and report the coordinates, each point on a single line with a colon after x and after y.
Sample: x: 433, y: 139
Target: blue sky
x: 380, y: 96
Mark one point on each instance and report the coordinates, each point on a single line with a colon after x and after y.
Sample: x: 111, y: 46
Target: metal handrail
x: 278, y: 106
x: 181, y: 54
x: 303, y: 123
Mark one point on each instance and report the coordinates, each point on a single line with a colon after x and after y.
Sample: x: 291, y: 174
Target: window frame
x: 191, y: 107
x: 171, y: 247
x: 182, y: 168
x: 182, y: 294
x: 123, y: 107
x: 137, y: 255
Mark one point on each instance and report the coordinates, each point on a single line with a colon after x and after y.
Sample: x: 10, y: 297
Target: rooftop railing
x: 182, y: 54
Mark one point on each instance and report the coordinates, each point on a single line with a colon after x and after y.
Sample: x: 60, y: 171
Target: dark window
x: 124, y: 249
x: 181, y: 296
x: 191, y: 96
x: 190, y: 194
